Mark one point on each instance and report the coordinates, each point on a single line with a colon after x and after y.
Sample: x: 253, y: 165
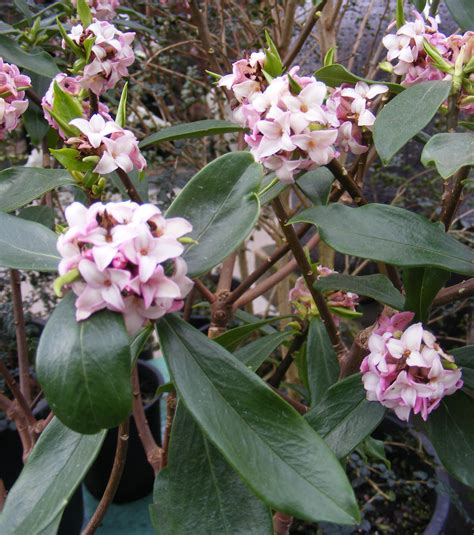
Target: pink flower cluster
x: 110, y: 57
x: 406, y: 370
x: 406, y: 48
x: 102, y: 9
x: 116, y: 147
x: 293, y: 126
x: 12, y: 96
x: 128, y: 259
x: 304, y: 305
x: 72, y: 86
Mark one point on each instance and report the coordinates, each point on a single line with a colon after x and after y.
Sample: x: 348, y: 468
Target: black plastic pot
x: 11, y: 464
x: 137, y: 478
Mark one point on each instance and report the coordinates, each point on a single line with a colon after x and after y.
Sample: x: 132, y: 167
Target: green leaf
x: 121, y: 118
x: 222, y: 205
x: 262, y: 437
x: 388, y: 234
x: 321, y: 361
x: 316, y: 185
x: 71, y: 159
x: 462, y: 12
x: 377, y: 287
x: 66, y: 107
x: 207, y: 127
x: 449, y: 152
x: 245, y: 317
x: 55, y: 468
x: 273, y: 64
x: 329, y: 57
x: 344, y: 417
x: 421, y: 286
x: 139, y: 342
x: 373, y: 449
x: 84, y: 368
x: 464, y: 357
x: 405, y: 115
x: 450, y: 429
x: 39, y: 214
x: 336, y: 74
x: 253, y: 355
x: 84, y: 12
x: 27, y: 245
x: 35, y: 124
x: 199, y: 486
x: 21, y: 185
x: 232, y: 338
x: 40, y: 62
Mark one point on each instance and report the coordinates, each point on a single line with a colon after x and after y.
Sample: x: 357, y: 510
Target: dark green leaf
x: 198, y: 486
x: 344, y: 417
x: 407, y: 114
x: 450, y: 429
x: 245, y: 317
x: 84, y: 368
x: 207, y: 127
x: 421, y: 286
x: 39, y: 214
x: 449, y: 152
x: 27, y: 245
x: 270, y: 188
x: 35, y: 125
x: 464, y: 357
x: 254, y: 354
x: 321, y: 361
x: 462, y: 12
x: 232, y: 338
x: 388, y: 234
x: 222, y: 205
x: 373, y: 449
x: 262, y: 437
x: 316, y: 185
x: 377, y: 287
x: 21, y: 185
x: 40, y: 62
x: 54, y: 470
x: 336, y: 74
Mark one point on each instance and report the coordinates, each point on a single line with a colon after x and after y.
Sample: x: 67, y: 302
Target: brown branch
x: 309, y: 277
x: 307, y: 28
x: 13, y: 386
x: 285, y: 364
x: 94, y: 103
x: 3, y: 495
x: 204, y: 291
x: 282, y: 523
x: 30, y: 93
x: 152, y: 450
x: 288, y: 24
x: 266, y: 265
x: 21, y: 342
x: 221, y: 309
x: 114, y: 479
x: 129, y: 186
x: 302, y: 409
x: 170, y: 412
x: 452, y: 196
x: 453, y: 293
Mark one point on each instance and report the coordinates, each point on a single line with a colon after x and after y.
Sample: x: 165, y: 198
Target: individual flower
x: 406, y: 370
x: 246, y: 77
x: 338, y: 301
x: 128, y: 260
x: 12, y: 96
x: 110, y: 56
x: 102, y: 9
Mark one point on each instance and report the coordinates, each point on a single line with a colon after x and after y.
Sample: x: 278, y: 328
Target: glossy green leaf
x: 232, y: 338
x: 27, y: 245
x: 336, y: 74
x: 405, y: 115
x: 21, y: 185
x: 421, y: 286
x: 84, y: 368
x: 262, y: 437
x: 246, y: 317
x: 321, y: 361
x: 39, y: 62
x: 199, y: 487
x: 222, y: 205
x: 464, y: 358
x: 35, y: 124
x: 389, y: 234
x: 449, y: 152
x: 54, y: 470
x: 316, y: 185
x: 253, y: 355
x: 462, y: 12
x: 71, y: 159
x: 39, y: 214
x: 139, y: 342
x: 207, y: 127
x: 377, y: 287
x: 344, y: 417
x: 450, y: 429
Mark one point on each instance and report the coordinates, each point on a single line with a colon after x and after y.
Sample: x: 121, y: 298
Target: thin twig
x: 452, y: 196
x: 204, y: 291
x: 280, y: 372
x: 453, y: 293
x: 129, y: 186
x: 170, y: 412
x: 13, y: 386
x: 114, y: 479
x: 94, y: 103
